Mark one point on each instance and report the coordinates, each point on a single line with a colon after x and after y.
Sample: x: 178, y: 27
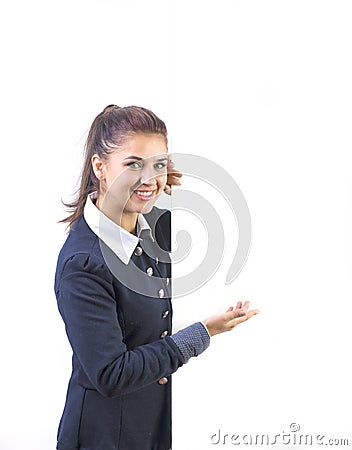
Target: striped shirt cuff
x: 192, y: 340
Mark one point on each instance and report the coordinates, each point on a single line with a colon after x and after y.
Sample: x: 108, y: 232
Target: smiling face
x: 133, y: 177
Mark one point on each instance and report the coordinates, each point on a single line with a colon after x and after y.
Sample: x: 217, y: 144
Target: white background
x: 263, y: 88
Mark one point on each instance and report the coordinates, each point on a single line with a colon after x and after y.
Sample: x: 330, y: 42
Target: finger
x: 240, y: 313
x: 171, y: 167
x: 252, y: 312
x: 239, y: 305
x: 246, y: 305
x: 167, y: 189
x: 230, y: 308
x: 248, y: 315
x: 174, y: 176
x: 174, y: 173
x: 173, y: 180
x: 170, y: 164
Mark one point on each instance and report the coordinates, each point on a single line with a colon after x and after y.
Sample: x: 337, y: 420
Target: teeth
x: 144, y: 194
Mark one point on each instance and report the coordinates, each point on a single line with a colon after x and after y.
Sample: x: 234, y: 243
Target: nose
x: 148, y: 176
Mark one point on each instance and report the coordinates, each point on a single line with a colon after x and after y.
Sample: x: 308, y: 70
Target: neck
x: 127, y: 221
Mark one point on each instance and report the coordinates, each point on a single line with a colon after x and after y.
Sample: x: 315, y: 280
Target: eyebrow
x: 138, y: 158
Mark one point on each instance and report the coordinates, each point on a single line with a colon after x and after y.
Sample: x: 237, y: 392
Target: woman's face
x: 135, y: 174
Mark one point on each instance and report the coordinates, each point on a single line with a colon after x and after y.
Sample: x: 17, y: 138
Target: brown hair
x: 109, y: 130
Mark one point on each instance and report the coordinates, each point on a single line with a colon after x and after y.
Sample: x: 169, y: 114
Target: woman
x: 112, y: 285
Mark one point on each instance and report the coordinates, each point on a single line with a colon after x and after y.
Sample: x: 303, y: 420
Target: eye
x: 160, y: 165
x: 135, y: 165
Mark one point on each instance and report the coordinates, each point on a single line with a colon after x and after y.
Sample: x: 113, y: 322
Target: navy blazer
x: 119, y: 393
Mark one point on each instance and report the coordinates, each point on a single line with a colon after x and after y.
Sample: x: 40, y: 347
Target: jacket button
x: 138, y: 251
x: 161, y: 293
x: 156, y: 260
x: 163, y: 380
x: 164, y: 333
x: 165, y: 314
x: 167, y: 281
x: 150, y: 271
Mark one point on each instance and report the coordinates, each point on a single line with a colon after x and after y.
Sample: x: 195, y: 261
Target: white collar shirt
x: 120, y: 241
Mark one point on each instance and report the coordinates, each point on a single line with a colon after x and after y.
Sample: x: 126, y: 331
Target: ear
x: 98, y: 167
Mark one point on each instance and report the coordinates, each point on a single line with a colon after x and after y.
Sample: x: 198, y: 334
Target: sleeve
x: 87, y: 304
x: 192, y: 340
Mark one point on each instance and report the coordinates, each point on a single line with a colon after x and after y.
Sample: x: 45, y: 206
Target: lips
x: 143, y: 195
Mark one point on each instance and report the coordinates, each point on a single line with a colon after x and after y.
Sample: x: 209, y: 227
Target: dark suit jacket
x: 118, y: 397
